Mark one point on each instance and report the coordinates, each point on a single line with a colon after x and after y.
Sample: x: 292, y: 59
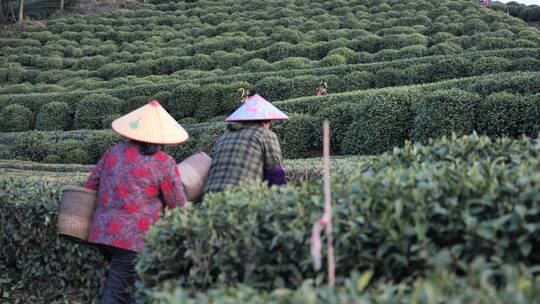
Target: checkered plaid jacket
x: 245, y: 152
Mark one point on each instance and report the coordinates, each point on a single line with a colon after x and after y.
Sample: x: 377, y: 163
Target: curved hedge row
x: 214, y: 99
x: 36, y: 265
x: 392, y: 213
x: 483, y: 284
x: 530, y: 13
x: 471, y: 196
x: 363, y: 122
x: 414, y: 70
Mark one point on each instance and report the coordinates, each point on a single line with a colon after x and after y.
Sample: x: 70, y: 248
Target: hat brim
x: 152, y: 124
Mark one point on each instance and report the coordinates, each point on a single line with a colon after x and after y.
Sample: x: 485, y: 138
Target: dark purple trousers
x: 122, y: 275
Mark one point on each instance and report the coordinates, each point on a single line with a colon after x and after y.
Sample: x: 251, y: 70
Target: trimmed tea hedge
x: 16, y: 118
x: 392, y: 213
x: 204, y: 99
x: 471, y: 196
x: 36, y: 264
x: 484, y: 284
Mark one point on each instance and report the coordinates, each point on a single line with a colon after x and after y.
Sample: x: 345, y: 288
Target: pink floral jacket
x: 132, y: 190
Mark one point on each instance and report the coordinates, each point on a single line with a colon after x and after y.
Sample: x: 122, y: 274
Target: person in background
x: 248, y: 150
x: 134, y: 180
x: 321, y: 90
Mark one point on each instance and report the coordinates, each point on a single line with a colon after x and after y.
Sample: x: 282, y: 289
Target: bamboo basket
x: 75, y: 212
x: 194, y: 171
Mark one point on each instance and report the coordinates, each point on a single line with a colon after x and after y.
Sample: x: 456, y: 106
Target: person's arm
x: 171, y: 186
x: 273, y: 161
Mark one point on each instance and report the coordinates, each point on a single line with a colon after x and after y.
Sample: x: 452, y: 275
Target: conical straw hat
x: 256, y: 108
x: 151, y: 124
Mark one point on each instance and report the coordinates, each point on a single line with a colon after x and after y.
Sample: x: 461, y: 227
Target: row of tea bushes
x: 380, y: 121
x: 258, y: 68
x: 482, y: 284
x: 36, y: 265
x: 276, y: 57
x: 204, y: 101
x: 391, y: 216
x: 529, y: 13
x: 470, y: 196
x: 86, y: 146
x: 164, y: 29
x: 462, y: 64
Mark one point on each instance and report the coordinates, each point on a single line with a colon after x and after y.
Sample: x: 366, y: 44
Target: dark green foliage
x: 106, y: 121
x: 273, y: 88
x: 297, y: 135
x: 97, y: 143
x: 198, y: 141
x: 444, y: 112
x: 70, y: 151
x: 445, y: 48
x: 388, y: 77
x: 333, y: 60
x: 490, y: 65
x: 379, y: 124
x: 37, y: 264
x: 184, y: 102
x: 31, y: 146
x: 6, y: 152
x: 340, y: 117
x: 513, y: 284
x: 16, y: 118
x: 509, y: 114
x: 92, y: 109
x: 391, y: 215
x: 54, y: 116
x: 358, y: 81
x: 256, y: 65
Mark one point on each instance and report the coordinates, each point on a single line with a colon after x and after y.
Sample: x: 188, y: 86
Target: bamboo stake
x: 328, y: 204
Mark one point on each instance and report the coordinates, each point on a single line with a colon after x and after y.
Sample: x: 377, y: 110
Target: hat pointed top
x: 150, y: 123
x: 256, y: 108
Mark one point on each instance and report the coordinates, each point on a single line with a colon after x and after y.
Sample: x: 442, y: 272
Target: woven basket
x: 194, y: 171
x: 75, y: 212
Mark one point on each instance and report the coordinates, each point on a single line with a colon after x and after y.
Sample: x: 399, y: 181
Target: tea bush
x: 379, y: 123
x: 444, y: 112
x: 97, y: 143
x: 16, y: 118
x: 31, y: 146
x: 38, y: 265
x: 92, y: 109
x: 54, y: 116
x: 509, y: 114
x: 483, y: 284
x: 296, y: 135
x: 390, y: 215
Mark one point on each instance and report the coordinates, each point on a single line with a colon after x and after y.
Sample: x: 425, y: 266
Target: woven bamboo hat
x: 151, y: 124
x: 256, y: 108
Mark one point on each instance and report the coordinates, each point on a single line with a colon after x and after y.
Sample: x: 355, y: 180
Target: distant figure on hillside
x: 321, y: 90
x: 244, y: 94
x: 134, y: 180
x: 249, y: 150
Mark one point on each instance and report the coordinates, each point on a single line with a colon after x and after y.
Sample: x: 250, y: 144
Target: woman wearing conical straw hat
x: 249, y: 150
x: 134, y: 180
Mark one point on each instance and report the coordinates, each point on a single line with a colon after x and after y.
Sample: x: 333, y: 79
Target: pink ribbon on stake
x: 316, y: 243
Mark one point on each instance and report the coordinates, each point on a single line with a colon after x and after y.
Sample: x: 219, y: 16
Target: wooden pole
x: 328, y: 204
x: 62, y: 5
x: 21, y: 8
